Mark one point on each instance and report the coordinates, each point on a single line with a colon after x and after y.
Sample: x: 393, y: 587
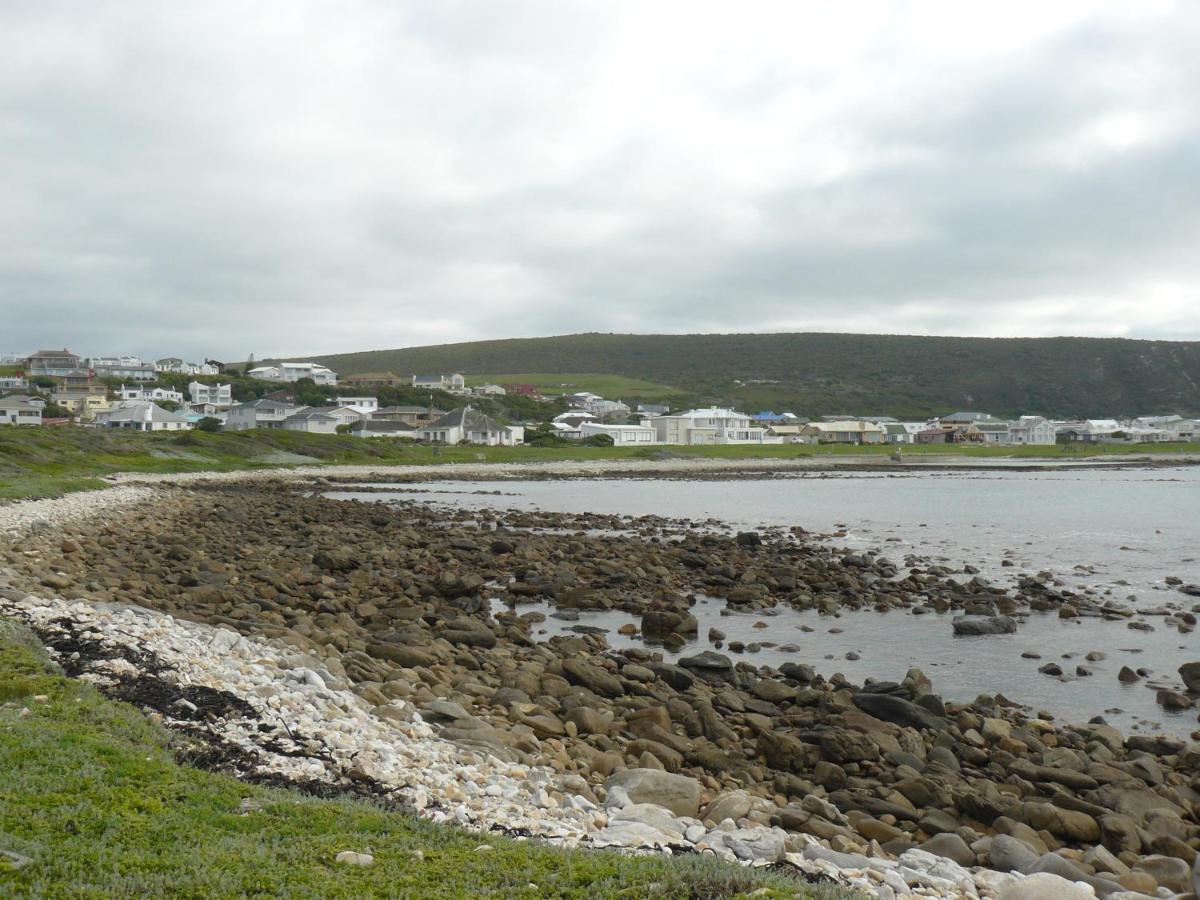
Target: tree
x: 345, y: 428
x: 209, y: 424
x: 54, y: 411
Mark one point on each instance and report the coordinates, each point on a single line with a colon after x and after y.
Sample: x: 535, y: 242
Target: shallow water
x: 1118, y: 533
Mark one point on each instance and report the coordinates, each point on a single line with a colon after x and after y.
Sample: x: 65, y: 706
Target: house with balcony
x: 179, y: 366
x: 149, y: 394
x: 130, y: 368
x: 258, y: 414
x: 410, y: 415
x: 52, y: 364
x: 1033, y: 431
x: 365, y: 405
x: 712, y: 425
x: 219, y: 395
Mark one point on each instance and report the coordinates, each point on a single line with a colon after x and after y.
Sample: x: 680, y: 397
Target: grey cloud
x: 207, y: 180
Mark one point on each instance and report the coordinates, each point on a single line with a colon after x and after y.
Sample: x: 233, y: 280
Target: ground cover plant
x: 94, y: 802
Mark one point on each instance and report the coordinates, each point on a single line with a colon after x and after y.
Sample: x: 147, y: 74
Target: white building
x: 322, y: 419
x: 487, y: 390
x: 149, y: 394
x: 454, y: 384
x: 20, y: 410
x: 470, y: 426
x: 622, y: 435
x: 258, y: 414
x: 142, y: 416
x: 1034, y: 431
x: 179, y: 366
x: 1173, y: 428
x: 364, y: 405
x: 707, y: 426
x: 131, y: 367
x: 13, y: 383
x: 219, y: 395
x: 289, y: 372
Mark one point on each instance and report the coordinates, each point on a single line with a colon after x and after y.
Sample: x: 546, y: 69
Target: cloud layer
x: 280, y: 177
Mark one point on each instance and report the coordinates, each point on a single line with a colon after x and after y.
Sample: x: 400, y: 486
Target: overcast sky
x: 210, y: 178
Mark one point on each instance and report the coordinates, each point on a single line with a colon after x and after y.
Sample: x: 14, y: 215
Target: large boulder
x: 677, y: 793
x: 898, y: 710
x: 1190, y: 673
x: 595, y: 679
x: 968, y: 626
x: 1045, y: 886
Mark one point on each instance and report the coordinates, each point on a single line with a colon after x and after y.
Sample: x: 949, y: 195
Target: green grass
x: 48, y: 462
x: 91, y: 793
x: 611, y: 387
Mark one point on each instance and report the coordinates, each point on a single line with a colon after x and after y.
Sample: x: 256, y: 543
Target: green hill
x: 815, y: 374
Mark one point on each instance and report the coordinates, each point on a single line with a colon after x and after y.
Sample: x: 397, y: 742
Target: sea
x: 1120, y: 532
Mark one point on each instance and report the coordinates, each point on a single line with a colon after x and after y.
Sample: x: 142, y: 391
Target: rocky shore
x: 355, y: 645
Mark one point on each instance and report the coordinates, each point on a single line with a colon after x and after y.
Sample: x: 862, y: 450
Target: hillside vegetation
x: 816, y: 374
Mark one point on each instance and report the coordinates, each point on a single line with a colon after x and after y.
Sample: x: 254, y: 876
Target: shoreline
x: 763, y: 839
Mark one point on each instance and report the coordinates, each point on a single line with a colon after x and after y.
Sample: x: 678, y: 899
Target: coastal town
x: 60, y: 388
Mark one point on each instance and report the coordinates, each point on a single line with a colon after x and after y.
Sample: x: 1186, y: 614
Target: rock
x: 896, y: 709
x: 1007, y: 854
x: 1171, y: 873
x: 677, y: 793
x: 965, y: 626
x: 350, y: 858
x: 1128, y: 676
x: 729, y: 805
x: 406, y: 657
x: 1045, y: 886
x: 749, y: 844
x: 785, y: 752
x: 950, y: 846
x: 1141, y: 882
x: 1173, y: 700
x: 707, y: 661
x: 595, y: 679
x: 1190, y: 673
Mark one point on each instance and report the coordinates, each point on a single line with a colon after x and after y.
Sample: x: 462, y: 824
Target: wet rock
x: 707, y: 661
x: 984, y: 625
x: 1190, y: 673
x: 592, y: 677
x: 898, y: 710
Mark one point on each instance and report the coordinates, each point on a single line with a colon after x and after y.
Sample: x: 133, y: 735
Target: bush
x: 209, y: 424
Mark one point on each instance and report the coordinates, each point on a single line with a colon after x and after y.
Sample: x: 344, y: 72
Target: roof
x: 992, y: 427
x: 142, y: 412
x: 262, y: 404
x: 430, y: 377
x: 55, y: 353
x: 17, y: 401
x: 467, y: 419
x: 969, y: 417
x: 395, y: 410
x: 311, y: 413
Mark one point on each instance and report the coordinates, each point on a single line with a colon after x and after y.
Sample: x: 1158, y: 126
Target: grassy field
x: 611, y: 387
x: 47, y: 462
x: 93, y: 800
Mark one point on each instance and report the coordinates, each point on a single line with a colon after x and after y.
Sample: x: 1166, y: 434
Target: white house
x: 487, y: 390
x: 290, y: 372
x: 1033, y: 431
x: 131, y: 367
x: 707, y: 426
x: 13, y: 383
x: 1174, y: 428
x: 219, y: 395
x: 322, y: 419
x: 258, y: 414
x: 180, y: 366
x: 454, y: 384
x: 141, y: 416
x: 470, y: 426
x: 20, y: 410
x: 365, y: 405
x: 149, y: 394
x: 622, y: 435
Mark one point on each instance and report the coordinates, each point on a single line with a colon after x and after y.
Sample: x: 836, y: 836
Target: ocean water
x: 1120, y: 533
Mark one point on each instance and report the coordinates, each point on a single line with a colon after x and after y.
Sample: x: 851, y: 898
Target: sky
x: 280, y: 178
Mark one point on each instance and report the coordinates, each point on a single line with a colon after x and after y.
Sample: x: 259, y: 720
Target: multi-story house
x: 219, y: 395
x: 149, y: 394
x: 52, y: 364
x: 126, y: 367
